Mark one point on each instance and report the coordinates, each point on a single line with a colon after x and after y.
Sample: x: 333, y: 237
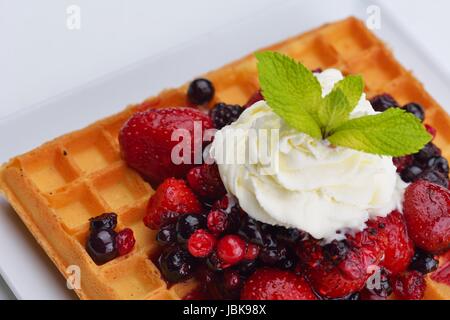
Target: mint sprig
x: 295, y: 94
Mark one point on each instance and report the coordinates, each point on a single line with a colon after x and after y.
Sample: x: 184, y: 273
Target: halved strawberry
x: 427, y: 214
x: 274, y: 284
x: 172, y: 198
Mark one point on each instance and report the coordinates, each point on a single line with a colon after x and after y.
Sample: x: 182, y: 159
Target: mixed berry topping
x: 204, y: 233
x: 103, y: 243
x: 200, y: 91
x: 224, y: 114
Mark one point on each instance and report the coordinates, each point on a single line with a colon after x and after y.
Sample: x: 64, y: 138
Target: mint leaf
x: 352, y: 87
x: 340, y: 102
x: 334, y: 111
x: 393, y: 132
x: 291, y: 90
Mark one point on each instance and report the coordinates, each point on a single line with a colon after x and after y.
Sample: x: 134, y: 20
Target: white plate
x: 24, y: 266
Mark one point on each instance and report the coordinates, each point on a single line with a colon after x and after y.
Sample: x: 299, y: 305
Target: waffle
x: 57, y: 187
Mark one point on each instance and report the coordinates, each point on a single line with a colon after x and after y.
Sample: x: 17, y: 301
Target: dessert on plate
x: 180, y: 197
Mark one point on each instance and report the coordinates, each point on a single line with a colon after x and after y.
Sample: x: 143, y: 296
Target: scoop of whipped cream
x: 324, y: 190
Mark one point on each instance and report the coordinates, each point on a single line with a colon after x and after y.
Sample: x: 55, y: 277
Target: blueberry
x: 416, y: 109
x: 188, y: 224
x: 336, y: 251
x: 424, y: 262
x: 200, y: 91
x: 290, y: 235
x: 246, y: 268
x: 427, y: 152
x: 383, y: 102
x: 224, y: 114
x: 104, y: 221
x: 101, y: 245
x: 280, y: 256
x: 166, y: 235
x: 434, y: 177
x: 176, y: 264
x: 411, y: 173
x: 438, y: 163
x: 250, y: 229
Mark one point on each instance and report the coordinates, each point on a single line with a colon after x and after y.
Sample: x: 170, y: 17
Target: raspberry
x: 409, y: 285
x: 224, y: 114
x: 206, y: 182
x: 427, y: 215
x: 125, y: 241
x: 274, y: 284
x: 231, y: 249
x: 201, y: 243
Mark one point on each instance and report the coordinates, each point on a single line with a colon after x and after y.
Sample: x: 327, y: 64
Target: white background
x: 40, y: 57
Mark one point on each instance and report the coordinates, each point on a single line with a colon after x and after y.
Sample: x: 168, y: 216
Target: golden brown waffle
x: 57, y: 187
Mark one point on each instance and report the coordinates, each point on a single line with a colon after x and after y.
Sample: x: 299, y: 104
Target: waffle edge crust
x: 58, y: 186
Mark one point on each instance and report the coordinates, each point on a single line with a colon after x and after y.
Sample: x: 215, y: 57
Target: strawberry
x: 172, y: 196
x: 390, y: 235
x: 336, y: 270
x: 274, y: 284
x: 146, y: 141
x: 427, y: 214
x: 206, y: 182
